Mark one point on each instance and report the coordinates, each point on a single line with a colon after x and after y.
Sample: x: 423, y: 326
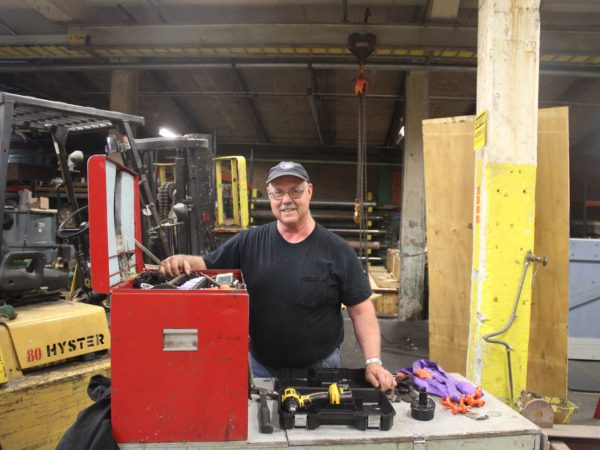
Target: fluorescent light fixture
x: 165, y: 132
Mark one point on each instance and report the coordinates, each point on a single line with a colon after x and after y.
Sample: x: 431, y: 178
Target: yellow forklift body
x: 49, y: 333
x: 37, y: 408
x: 11, y: 365
x: 3, y: 374
x: 239, y: 194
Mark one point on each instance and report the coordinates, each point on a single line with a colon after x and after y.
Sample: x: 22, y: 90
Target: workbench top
x: 503, y: 429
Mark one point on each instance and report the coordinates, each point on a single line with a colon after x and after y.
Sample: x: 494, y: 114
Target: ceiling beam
x: 301, y: 148
x: 57, y: 10
x: 570, y: 6
x: 224, y: 41
x: 443, y: 10
x: 276, y: 35
x: 588, y: 143
x: 204, y: 80
x: 82, y: 80
x: 261, y: 131
x: 322, y: 95
x: 391, y: 139
x: 315, y: 104
x: 576, y: 88
x: 300, y: 35
x: 298, y: 63
x: 196, y: 93
x: 187, y: 114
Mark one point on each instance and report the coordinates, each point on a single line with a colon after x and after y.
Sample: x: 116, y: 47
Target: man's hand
x: 174, y: 265
x: 380, y: 377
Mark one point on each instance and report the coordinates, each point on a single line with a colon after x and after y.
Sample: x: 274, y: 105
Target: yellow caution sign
x: 77, y: 39
x: 480, y: 136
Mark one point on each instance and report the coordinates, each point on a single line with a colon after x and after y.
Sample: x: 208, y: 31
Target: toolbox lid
x: 115, y: 223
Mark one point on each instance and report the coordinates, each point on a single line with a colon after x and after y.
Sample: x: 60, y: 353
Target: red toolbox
x: 179, y: 358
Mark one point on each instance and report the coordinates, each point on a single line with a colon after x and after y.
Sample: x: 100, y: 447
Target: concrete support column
x: 504, y: 200
x: 412, y: 227
x: 124, y: 86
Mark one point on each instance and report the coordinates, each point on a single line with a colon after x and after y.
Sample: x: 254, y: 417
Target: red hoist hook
x: 361, y: 83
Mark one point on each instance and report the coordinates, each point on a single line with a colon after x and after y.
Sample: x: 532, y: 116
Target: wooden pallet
x: 385, y: 292
x: 392, y: 263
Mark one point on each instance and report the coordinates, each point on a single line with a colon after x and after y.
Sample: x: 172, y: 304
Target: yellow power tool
x: 292, y: 402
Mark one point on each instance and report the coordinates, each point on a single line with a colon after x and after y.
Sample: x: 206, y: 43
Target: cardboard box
x: 39, y: 203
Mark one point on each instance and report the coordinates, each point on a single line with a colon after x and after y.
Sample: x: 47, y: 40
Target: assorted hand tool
x: 196, y: 280
x: 265, y: 425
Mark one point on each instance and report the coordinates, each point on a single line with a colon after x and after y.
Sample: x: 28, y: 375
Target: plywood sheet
x: 548, y: 342
x: 449, y: 172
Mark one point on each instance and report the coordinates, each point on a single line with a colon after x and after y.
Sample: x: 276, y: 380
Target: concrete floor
x: 404, y: 342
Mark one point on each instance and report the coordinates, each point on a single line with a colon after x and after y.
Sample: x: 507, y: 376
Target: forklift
x: 202, y: 199
x: 50, y: 346
x: 183, y: 183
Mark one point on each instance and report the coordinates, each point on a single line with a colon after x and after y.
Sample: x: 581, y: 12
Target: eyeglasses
x: 295, y: 193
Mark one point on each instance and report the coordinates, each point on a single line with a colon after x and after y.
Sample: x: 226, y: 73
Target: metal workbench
x: 503, y: 430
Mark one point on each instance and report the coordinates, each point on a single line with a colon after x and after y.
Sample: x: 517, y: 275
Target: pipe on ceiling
x: 24, y: 67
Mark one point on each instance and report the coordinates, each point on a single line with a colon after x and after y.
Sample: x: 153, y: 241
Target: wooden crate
x: 385, y: 292
x: 392, y: 263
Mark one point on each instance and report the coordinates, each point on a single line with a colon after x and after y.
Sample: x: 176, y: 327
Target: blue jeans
x: 332, y: 361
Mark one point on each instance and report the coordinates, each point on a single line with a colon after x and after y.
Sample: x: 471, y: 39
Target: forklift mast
x: 186, y: 196
x: 235, y: 217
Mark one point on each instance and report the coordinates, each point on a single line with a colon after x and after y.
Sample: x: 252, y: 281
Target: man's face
x: 290, y: 197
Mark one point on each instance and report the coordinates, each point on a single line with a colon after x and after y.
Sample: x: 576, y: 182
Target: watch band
x: 374, y: 361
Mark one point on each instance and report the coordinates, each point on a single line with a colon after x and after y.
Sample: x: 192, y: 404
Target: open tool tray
x: 369, y: 409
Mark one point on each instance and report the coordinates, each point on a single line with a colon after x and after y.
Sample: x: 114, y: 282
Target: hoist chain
x: 361, y: 182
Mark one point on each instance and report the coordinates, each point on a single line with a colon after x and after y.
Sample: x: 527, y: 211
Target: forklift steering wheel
x: 67, y: 233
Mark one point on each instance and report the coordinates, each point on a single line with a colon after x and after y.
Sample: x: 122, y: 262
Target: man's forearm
x: 366, y: 328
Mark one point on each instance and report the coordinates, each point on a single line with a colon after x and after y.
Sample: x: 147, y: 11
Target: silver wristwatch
x: 373, y: 361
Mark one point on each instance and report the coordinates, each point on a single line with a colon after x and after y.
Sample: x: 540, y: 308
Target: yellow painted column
x: 504, y: 212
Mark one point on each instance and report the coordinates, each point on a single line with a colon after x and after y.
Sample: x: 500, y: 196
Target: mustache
x: 288, y: 206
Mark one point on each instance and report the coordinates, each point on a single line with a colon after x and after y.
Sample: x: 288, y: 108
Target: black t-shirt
x: 295, y: 291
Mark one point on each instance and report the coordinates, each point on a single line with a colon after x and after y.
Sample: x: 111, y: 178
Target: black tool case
x: 370, y: 408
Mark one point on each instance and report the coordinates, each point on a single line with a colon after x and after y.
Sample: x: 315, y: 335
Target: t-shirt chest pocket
x: 314, y: 288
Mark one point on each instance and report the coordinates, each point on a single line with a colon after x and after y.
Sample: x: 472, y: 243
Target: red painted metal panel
x: 177, y: 396
x: 98, y: 222
x: 139, y: 257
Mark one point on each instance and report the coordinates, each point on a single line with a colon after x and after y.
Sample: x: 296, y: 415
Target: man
x: 298, y: 274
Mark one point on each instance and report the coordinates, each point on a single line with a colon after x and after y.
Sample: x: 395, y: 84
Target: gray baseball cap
x: 287, y: 168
